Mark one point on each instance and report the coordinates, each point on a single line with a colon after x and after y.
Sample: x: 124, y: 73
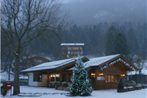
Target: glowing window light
x: 92, y: 74
x: 122, y: 75
x: 57, y: 75
x: 101, y: 74
x: 54, y: 75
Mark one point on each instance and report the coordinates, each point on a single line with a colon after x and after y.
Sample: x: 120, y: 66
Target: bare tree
x: 6, y: 54
x: 25, y: 20
x: 139, y: 61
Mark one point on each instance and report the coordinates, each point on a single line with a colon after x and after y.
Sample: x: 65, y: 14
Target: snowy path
x: 52, y: 93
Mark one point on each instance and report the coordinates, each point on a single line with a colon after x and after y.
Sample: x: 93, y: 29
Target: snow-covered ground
x: 52, y: 93
x: 145, y: 64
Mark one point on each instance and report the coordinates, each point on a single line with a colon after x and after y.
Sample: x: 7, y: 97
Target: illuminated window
x: 122, y: 75
x: 92, y: 74
x: 54, y: 77
x: 101, y: 74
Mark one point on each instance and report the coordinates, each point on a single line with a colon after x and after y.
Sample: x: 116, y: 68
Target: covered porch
x: 52, y: 79
x: 59, y: 80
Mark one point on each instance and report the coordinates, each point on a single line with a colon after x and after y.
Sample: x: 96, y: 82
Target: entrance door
x: 93, y: 82
x: 111, y: 81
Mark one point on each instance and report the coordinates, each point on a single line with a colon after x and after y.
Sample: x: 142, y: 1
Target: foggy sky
x: 95, y: 11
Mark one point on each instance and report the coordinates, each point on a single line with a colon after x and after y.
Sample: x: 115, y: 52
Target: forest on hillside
x: 37, y: 36
x: 100, y: 39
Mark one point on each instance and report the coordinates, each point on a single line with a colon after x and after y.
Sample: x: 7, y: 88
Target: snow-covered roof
x: 143, y: 71
x: 99, y: 60
x: 92, y: 62
x: 4, y: 76
x: 50, y: 65
x: 72, y: 44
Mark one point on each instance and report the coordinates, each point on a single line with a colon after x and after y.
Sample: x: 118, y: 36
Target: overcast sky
x: 95, y: 11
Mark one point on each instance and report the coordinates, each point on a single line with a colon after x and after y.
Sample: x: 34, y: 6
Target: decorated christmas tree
x: 80, y: 83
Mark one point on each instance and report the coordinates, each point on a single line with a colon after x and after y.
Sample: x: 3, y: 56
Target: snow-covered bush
x: 120, y: 84
x: 80, y: 83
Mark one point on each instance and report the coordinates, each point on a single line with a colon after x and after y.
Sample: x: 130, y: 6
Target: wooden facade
x: 108, y: 78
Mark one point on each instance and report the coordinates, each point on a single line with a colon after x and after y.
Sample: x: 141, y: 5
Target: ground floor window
x: 54, y: 77
x: 37, y: 76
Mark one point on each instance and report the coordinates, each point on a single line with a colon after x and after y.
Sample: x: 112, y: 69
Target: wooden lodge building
x: 104, y: 72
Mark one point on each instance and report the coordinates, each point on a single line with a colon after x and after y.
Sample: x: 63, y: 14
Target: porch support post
x: 47, y: 76
x: 60, y: 73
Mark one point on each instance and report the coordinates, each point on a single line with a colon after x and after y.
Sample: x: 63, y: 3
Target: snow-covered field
x: 52, y: 93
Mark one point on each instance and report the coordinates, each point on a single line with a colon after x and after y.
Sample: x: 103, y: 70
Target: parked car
x: 5, y: 87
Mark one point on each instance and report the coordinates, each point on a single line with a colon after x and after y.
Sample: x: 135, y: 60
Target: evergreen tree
x: 110, y: 40
x: 120, y: 45
x: 116, y: 42
x: 80, y: 83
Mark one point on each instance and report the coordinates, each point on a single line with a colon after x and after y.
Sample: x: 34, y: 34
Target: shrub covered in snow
x: 120, y: 84
x: 80, y: 83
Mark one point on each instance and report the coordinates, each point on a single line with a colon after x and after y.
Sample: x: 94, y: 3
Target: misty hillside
x: 106, y: 27
x: 91, y: 23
